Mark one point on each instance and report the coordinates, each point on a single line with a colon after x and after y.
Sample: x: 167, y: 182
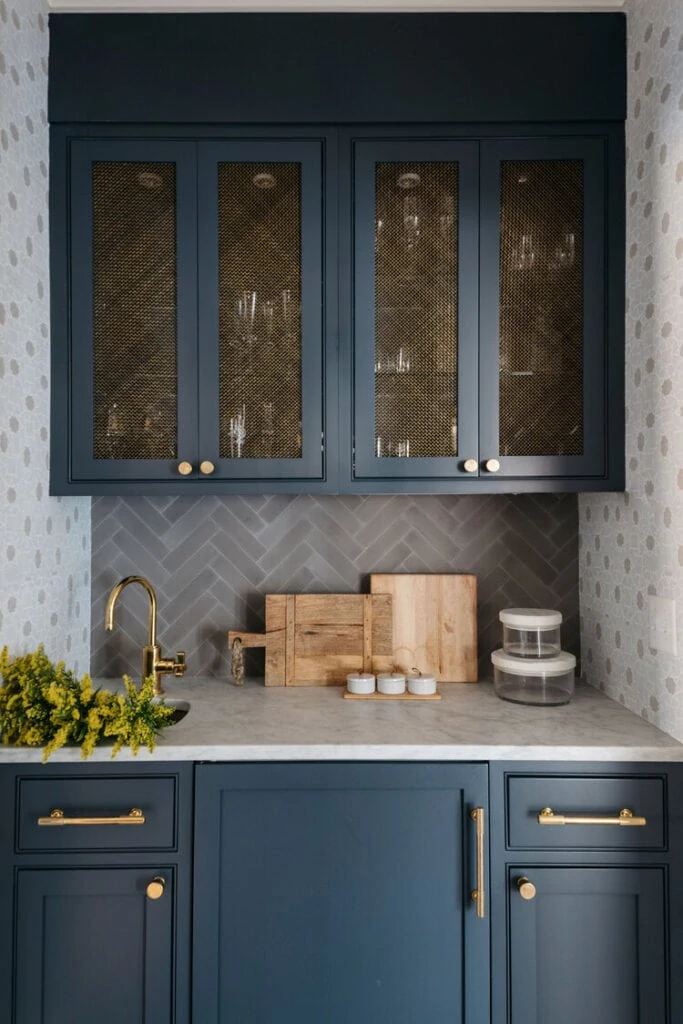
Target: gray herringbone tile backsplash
x: 211, y: 561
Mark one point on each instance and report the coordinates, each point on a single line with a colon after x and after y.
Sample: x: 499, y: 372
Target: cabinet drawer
x: 97, y: 797
x: 585, y: 797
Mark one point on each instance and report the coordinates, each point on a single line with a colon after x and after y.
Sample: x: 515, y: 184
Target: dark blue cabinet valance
x: 335, y: 68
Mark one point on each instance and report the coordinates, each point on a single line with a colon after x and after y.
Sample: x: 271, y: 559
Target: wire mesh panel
x: 541, y: 308
x: 259, y: 211
x: 135, y: 383
x: 416, y: 302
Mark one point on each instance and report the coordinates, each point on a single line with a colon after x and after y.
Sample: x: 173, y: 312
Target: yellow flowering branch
x: 45, y: 705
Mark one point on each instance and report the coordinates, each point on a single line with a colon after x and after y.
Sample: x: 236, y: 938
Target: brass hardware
x: 525, y: 888
x: 184, y: 468
x: 471, y: 466
x: 134, y: 817
x: 478, y: 895
x: 153, y: 664
x: 492, y: 465
x: 155, y: 889
x: 206, y: 467
x: 626, y: 817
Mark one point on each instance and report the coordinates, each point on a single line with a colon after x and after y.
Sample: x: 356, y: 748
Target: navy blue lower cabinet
x: 92, y: 945
x: 339, y: 893
x: 587, y: 945
x: 95, y: 915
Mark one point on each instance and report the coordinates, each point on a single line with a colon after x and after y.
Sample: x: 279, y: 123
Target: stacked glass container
x: 531, y: 667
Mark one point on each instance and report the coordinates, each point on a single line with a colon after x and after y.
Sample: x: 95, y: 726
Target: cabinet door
x: 133, y: 301
x: 338, y: 893
x: 590, y: 946
x: 261, y: 309
x: 90, y: 945
x: 543, y: 319
x: 415, y: 285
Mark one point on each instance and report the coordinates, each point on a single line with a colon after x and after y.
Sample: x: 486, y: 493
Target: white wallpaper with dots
x: 631, y: 545
x: 44, y: 541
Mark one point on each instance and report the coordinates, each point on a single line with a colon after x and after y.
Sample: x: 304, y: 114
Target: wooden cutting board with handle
x: 317, y: 639
x: 434, y: 623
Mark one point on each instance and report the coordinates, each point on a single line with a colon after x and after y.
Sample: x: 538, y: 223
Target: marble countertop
x: 252, y: 723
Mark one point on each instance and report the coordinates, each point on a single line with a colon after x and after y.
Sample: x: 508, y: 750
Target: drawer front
x: 585, y: 797
x: 108, y: 797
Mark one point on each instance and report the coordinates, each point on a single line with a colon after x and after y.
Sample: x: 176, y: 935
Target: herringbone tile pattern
x: 211, y: 561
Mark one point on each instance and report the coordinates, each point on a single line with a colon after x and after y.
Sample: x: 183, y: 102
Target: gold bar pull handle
x: 625, y: 817
x: 478, y: 895
x: 134, y: 817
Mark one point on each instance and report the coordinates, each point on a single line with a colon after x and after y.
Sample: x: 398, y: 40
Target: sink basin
x: 180, y: 707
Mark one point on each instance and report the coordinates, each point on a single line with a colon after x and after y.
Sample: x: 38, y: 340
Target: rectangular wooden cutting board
x: 318, y: 639
x: 434, y: 623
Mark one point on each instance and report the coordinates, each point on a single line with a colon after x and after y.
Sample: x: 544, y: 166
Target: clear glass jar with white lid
x: 543, y: 681
x: 531, y: 632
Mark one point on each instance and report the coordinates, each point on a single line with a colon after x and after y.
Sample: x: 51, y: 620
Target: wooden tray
x: 391, y: 696
x: 434, y: 623
x: 318, y: 639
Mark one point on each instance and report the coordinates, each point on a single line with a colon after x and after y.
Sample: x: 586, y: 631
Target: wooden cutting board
x: 317, y: 639
x: 434, y: 623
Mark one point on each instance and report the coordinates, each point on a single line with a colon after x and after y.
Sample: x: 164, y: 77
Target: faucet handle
x: 180, y: 665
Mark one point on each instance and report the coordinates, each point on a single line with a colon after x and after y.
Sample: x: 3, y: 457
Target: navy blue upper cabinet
x: 415, y: 286
x: 482, y: 354
x: 406, y: 280
x: 190, y: 320
x: 132, y: 300
x: 543, y: 343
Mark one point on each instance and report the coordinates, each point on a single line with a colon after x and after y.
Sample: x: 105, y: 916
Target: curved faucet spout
x: 114, y: 596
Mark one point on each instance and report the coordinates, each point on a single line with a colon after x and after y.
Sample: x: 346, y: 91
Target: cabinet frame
x: 367, y: 153
x: 337, y: 384
x: 316, y: 471
x: 590, y: 151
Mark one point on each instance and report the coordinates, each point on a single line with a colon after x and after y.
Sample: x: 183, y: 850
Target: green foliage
x: 45, y: 705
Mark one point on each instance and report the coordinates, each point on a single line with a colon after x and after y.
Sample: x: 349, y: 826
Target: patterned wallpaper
x: 44, y: 542
x: 213, y: 559
x: 632, y: 544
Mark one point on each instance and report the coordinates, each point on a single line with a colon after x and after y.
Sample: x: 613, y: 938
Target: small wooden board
x: 318, y: 639
x: 434, y: 623
x: 391, y: 696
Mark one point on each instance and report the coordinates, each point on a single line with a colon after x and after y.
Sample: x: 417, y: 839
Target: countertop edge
x: 327, y: 752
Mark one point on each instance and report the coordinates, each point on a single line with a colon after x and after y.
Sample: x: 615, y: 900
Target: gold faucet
x: 152, y: 662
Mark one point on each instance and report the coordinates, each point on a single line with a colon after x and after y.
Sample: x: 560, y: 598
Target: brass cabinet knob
x: 206, y: 467
x: 492, y: 465
x: 155, y: 889
x: 525, y: 888
x: 184, y: 468
x: 471, y: 466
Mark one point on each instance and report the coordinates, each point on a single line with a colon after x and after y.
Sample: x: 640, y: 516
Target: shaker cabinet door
x: 543, y: 321
x: 338, y: 893
x: 261, y: 309
x: 132, y: 294
x: 588, y: 947
x: 92, y: 946
x: 414, y: 324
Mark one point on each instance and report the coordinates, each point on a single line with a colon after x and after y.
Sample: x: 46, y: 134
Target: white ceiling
x: 146, y: 6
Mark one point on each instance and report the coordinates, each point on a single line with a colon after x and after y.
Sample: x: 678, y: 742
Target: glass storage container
x: 531, y: 632
x: 544, y: 681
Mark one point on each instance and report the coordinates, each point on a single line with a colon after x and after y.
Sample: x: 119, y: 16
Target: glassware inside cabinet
x: 134, y: 282
x: 415, y: 309
x: 541, y: 308
x: 260, y: 344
